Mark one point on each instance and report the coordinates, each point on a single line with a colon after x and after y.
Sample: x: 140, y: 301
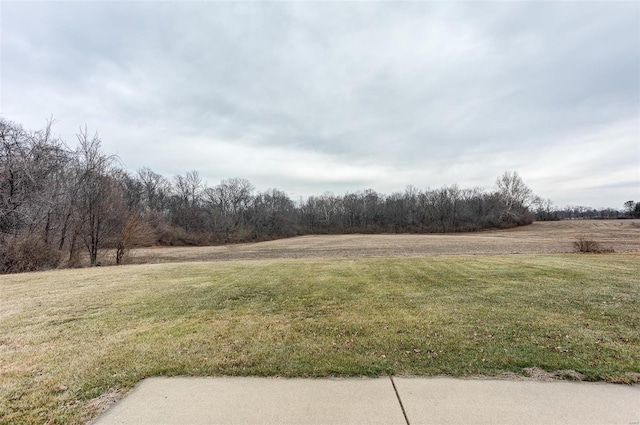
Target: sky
x: 310, y: 97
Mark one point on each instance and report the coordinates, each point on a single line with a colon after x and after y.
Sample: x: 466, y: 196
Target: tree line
x: 61, y: 205
x: 546, y: 212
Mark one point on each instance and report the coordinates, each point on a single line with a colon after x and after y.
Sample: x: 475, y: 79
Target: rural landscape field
x: 538, y: 238
x: 517, y: 304
x: 318, y: 189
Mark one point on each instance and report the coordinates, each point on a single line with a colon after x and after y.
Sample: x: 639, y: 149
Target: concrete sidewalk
x: 373, y: 401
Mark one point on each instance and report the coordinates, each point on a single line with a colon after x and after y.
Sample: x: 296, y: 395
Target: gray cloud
x: 310, y: 97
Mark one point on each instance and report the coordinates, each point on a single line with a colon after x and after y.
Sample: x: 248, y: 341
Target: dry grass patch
x: 70, y: 340
x: 537, y: 238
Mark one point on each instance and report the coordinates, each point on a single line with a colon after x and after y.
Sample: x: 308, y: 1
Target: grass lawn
x: 70, y: 336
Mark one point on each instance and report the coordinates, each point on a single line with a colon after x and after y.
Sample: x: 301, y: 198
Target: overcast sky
x: 341, y: 96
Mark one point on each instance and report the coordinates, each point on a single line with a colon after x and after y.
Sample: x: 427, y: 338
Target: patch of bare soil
x: 537, y: 238
x: 538, y: 374
x: 103, y: 402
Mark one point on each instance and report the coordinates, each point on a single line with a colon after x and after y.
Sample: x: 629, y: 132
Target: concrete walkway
x: 373, y: 401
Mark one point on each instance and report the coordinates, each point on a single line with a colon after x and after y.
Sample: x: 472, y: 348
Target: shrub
x: 177, y: 236
x: 586, y: 245
x: 26, y: 254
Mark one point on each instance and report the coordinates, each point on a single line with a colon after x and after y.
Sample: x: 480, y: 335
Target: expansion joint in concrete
x: 399, y: 400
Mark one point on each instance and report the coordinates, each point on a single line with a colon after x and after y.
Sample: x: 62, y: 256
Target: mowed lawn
x: 68, y: 337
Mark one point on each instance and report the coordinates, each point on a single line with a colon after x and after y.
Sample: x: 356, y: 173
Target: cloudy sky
x: 341, y: 96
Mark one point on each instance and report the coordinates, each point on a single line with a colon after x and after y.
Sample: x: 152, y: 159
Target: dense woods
x: 59, y: 206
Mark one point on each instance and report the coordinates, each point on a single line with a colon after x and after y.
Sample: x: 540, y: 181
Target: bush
x: 25, y: 254
x: 177, y: 236
x: 586, y: 245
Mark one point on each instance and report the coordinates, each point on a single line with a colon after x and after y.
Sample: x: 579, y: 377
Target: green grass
x: 66, y: 337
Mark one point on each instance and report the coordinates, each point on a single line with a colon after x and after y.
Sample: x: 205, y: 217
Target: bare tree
x: 32, y: 188
x: 31, y: 164
x: 136, y: 232
x: 229, y: 202
x: 155, y: 189
x: 186, y: 201
x: 544, y: 209
x: 273, y: 215
x: 515, y: 194
x: 629, y: 207
x: 100, y: 195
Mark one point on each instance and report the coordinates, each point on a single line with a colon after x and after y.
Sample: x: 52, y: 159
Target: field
x: 538, y: 238
x: 73, y: 341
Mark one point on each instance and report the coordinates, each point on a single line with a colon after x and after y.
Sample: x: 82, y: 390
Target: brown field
x: 537, y: 238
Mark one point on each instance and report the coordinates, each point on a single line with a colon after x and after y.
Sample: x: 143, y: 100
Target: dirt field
x: 537, y: 238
